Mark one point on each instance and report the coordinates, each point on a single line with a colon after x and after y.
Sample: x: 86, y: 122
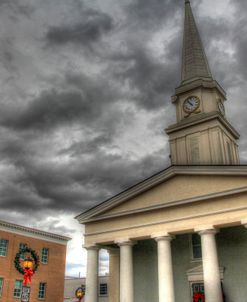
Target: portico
x: 126, y: 220
x: 166, y: 278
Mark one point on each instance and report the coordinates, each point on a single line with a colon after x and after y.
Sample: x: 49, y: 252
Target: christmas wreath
x: 80, y: 293
x: 198, y: 297
x: 17, y: 260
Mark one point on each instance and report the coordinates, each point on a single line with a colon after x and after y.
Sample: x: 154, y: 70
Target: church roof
x: 194, y: 60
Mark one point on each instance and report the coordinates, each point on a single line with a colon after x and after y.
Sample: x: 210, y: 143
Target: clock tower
x: 202, y: 135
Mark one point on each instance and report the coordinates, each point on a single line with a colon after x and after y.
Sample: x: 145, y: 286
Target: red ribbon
x: 28, y: 273
x: 198, y: 297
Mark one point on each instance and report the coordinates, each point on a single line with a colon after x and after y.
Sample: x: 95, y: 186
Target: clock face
x: 191, y: 104
x: 221, y: 107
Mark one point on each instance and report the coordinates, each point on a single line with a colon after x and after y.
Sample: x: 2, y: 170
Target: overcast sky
x: 85, y: 96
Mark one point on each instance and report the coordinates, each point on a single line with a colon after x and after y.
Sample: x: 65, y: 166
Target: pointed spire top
x: 194, y: 62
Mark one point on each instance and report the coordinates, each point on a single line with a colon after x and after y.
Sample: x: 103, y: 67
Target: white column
x: 165, y: 271
x: 114, y: 274
x: 211, y: 272
x: 126, y: 271
x: 92, y: 274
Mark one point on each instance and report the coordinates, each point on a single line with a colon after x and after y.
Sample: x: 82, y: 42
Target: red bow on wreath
x: 198, y: 297
x: 28, y: 273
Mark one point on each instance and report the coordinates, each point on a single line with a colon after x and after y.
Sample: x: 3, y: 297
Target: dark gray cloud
x: 15, y: 9
x: 150, y: 15
x: 52, y: 109
x: 92, y: 26
x: 79, y: 103
x: 85, y: 97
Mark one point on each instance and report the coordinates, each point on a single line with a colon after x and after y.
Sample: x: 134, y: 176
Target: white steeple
x: 202, y: 134
x: 194, y: 62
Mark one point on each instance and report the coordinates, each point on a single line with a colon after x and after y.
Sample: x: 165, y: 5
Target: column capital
x: 92, y: 247
x: 113, y: 250
x: 162, y: 236
x: 125, y: 242
x: 208, y: 229
x: 244, y: 222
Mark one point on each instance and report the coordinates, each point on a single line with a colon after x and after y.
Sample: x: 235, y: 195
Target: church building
x: 180, y: 235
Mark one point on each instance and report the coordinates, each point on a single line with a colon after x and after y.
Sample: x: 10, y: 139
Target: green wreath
x: 18, y: 256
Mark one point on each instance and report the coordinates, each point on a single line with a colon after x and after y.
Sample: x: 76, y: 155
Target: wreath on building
x: 34, y: 256
x: 198, y: 297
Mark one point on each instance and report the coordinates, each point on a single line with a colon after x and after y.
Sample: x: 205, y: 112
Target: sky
x: 85, y: 97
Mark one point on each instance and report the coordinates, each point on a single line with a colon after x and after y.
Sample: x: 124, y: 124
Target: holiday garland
x: 198, y: 297
x: 17, y: 260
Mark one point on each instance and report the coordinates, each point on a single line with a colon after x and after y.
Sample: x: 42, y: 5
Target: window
x: 17, y: 289
x: 1, y: 286
x: 196, y: 246
x: 44, y: 257
x: 42, y: 289
x: 3, y: 247
x: 197, y: 288
x: 22, y: 246
x: 103, y: 289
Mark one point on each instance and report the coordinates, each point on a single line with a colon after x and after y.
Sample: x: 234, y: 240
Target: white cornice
x: 199, y: 119
x: 161, y: 222
x: 33, y: 233
x: 157, y: 179
x: 200, y: 82
x: 171, y: 204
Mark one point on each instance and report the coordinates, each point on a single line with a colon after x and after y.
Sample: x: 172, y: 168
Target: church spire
x: 194, y: 60
x: 202, y: 135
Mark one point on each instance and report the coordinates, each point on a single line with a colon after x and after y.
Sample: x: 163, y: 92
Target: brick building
x: 48, y: 282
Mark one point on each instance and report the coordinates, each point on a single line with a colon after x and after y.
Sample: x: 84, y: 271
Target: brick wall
x: 51, y: 273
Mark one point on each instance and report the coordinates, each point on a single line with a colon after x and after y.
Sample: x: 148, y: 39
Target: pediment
x: 172, y: 187
x: 195, y: 274
x: 195, y: 270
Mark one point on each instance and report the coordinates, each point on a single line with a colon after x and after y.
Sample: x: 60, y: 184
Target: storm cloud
x: 85, y: 97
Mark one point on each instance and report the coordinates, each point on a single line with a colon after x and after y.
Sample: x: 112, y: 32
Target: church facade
x: 180, y: 235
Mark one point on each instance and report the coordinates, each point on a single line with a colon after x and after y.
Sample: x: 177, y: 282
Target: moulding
x: 32, y: 233
x: 171, y: 204
x: 137, y: 226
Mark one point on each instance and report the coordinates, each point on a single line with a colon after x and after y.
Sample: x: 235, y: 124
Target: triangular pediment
x: 195, y: 274
x: 172, y: 187
x: 195, y: 270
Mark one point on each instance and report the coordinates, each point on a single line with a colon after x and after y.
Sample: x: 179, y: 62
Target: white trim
x: 168, y: 221
x: 32, y: 233
x: 171, y: 204
x: 204, y: 117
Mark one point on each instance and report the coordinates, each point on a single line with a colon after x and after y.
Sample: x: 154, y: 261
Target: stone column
x: 92, y: 274
x: 165, y: 271
x: 211, y: 272
x: 114, y: 274
x: 126, y: 271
